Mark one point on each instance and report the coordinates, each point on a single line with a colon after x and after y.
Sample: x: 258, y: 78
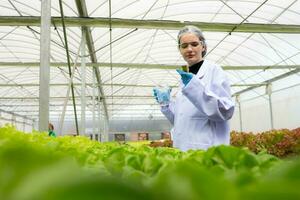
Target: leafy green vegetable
x: 36, y: 166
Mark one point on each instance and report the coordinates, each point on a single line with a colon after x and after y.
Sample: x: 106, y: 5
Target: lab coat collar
x: 206, y: 64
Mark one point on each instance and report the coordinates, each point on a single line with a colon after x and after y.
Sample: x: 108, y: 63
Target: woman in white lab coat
x: 203, y: 104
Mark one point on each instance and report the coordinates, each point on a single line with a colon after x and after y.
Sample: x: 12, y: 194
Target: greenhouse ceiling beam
x: 75, y: 84
x: 145, y: 66
x: 83, y: 13
x: 88, y: 97
x: 295, y: 71
x: 156, y: 115
x: 52, y: 108
x: 114, y: 84
x: 108, y: 104
x: 57, y: 100
x: 127, y: 104
x: 69, y: 111
x: 113, y: 111
x: 151, y: 24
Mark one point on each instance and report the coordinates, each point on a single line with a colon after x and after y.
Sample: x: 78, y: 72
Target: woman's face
x: 191, y: 48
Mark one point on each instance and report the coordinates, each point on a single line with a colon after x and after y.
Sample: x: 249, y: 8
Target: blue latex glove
x: 162, y: 97
x: 155, y: 91
x: 185, y: 76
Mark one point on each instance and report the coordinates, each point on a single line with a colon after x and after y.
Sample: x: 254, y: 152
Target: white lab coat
x: 201, y: 110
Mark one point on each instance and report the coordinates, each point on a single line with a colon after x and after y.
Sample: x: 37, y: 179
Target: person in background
x: 51, y: 130
x: 203, y: 103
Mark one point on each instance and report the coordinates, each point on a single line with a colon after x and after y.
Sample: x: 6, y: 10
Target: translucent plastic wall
x: 256, y: 112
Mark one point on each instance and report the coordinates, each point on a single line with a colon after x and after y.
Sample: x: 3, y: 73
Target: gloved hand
x: 185, y: 76
x: 162, y: 96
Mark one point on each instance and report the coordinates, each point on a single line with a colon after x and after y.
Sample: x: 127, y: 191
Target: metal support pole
x: 33, y: 125
x: 240, y: 112
x: 62, y: 117
x: 94, y: 107
x: 99, y: 122
x: 24, y: 123
x: 269, y: 93
x: 69, y: 63
x: 44, y: 65
x: 105, y: 129
x: 83, y: 82
x: 13, y: 119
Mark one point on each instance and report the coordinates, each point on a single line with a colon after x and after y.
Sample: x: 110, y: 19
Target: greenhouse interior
x: 90, y: 69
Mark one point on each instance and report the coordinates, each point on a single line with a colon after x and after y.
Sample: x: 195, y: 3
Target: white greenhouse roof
x: 256, y: 41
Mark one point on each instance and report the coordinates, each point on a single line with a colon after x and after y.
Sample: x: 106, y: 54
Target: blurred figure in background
x: 203, y: 103
x: 51, y: 130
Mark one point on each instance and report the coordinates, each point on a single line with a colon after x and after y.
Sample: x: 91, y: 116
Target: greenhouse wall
x: 147, y: 125
x: 256, y: 112
x: 120, y: 126
x: 19, y: 122
x: 255, y: 117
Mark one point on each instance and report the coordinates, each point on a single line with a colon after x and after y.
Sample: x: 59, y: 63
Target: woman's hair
x: 50, y: 126
x: 197, y: 32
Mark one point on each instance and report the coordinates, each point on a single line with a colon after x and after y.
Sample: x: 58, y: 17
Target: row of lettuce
x: 35, y: 166
x: 281, y: 143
